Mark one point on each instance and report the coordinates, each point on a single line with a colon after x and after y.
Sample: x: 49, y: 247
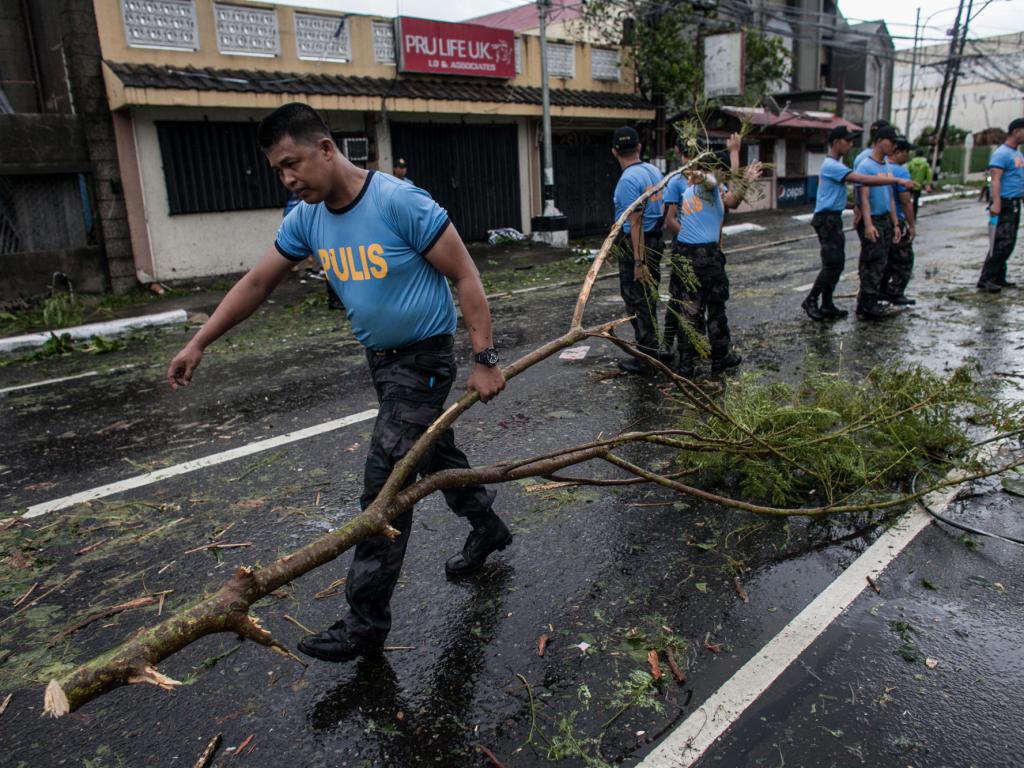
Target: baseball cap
x: 903, y: 143
x: 399, y: 162
x: 1018, y: 123
x: 887, y: 132
x: 841, y: 132
x: 625, y: 138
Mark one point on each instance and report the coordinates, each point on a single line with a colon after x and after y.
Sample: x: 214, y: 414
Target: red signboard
x: 440, y: 48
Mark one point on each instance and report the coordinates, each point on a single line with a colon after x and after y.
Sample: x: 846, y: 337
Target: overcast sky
x: 996, y: 16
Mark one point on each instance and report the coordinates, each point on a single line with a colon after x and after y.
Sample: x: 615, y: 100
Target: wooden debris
x: 542, y: 643
x: 490, y: 756
x: 874, y: 585
x: 217, y: 546
x: 47, y: 593
x: 331, y: 589
x: 104, y: 613
x: 3, y: 706
x: 677, y: 671
x: 740, y: 590
x: 92, y: 547
x: 244, y: 744
x: 713, y: 647
x: 537, y: 487
x: 207, y: 756
x: 652, y: 660
x: 19, y: 600
x: 299, y: 624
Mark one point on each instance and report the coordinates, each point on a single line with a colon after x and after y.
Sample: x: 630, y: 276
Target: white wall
x: 202, y: 244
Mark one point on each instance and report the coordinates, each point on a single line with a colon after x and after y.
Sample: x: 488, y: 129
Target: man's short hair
x: 300, y: 121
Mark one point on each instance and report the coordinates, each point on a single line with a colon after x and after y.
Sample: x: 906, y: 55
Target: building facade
x: 188, y: 81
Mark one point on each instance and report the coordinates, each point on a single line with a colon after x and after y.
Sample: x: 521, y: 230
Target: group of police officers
x: 887, y: 187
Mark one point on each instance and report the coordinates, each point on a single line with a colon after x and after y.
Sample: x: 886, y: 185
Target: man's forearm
x: 475, y: 312
x: 908, y: 209
x: 240, y: 302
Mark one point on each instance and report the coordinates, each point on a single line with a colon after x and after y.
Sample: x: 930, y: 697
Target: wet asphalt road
x: 598, y: 568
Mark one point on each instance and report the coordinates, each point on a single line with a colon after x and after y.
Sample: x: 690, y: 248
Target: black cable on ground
x: 960, y: 526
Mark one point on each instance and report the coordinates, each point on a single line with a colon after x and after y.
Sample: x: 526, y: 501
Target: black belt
x: 681, y: 244
x: 431, y: 343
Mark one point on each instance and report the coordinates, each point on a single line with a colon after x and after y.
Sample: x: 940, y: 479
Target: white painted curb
x: 109, y: 328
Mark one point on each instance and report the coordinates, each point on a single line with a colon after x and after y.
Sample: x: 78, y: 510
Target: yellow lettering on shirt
x: 356, y: 274
x: 325, y: 259
x: 362, y: 259
x: 375, y: 253
x: 342, y: 272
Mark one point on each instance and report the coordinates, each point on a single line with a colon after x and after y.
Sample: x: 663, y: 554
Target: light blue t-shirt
x: 879, y: 197
x: 701, y: 212
x: 1011, y: 161
x: 866, y: 152
x: 372, y: 251
x: 635, y: 180
x: 900, y: 172
x: 832, y: 186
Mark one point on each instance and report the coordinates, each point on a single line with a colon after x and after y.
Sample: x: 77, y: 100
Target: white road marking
x: 687, y: 743
x: 108, y: 328
x: 191, y: 466
x: 802, y: 288
x: 809, y: 216
x: 736, y: 229
x: 47, y: 382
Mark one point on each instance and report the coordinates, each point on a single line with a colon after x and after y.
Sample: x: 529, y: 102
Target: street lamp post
x: 551, y: 226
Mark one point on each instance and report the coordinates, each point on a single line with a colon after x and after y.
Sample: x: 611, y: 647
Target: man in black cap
x: 639, y: 244
x: 828, y: 223
x: 879, y: 226
x: 900, y: 266
x: 400, y: 170
x: 1007, y: 169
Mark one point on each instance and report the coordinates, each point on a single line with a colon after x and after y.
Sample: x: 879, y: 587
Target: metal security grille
x: 471, y: 170
x: 44, y: 213
x: 585, y: 178
x: 211, y: 167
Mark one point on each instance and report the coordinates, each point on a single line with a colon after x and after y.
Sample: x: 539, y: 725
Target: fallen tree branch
x: 113, y: 610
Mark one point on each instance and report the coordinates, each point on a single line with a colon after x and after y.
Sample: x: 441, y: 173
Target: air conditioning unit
x: 356, y: 150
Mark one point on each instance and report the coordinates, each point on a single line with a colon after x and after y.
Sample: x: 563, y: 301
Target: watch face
x: 488, y: 357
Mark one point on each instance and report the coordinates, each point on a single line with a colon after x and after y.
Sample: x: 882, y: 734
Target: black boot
x: 722, y: 364
x: 336, y: 644
x: 485, y: 538
x: 832, y: 312
x: 870, y: 309
x: 632, y: 365
x: 810, y: 306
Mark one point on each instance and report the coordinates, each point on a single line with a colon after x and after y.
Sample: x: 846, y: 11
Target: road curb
x: 107, y: 329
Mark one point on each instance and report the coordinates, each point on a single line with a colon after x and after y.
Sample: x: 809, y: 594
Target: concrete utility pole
x: 946, y: 79
x: 941, y: 140
x: 913, y: 69
x: 551, y: 226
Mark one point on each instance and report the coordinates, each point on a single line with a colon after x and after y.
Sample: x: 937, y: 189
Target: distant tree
x: 663, y: 43
x: 954, y: 136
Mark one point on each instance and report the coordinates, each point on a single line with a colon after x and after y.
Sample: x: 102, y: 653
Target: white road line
x: 736, y: 229
x: 809, y: 216
x: 685, y: 745
x: 802, y: 288
x: 191, y: 466
x: 47, y: 382
x: 108, y: 328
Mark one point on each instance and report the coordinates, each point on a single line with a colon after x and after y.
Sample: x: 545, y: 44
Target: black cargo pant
x: 900, y: 266
x: 829, y: 227
x: 702, y: 307
x: 641, y: 299
x: 994, y: 269
x: 873, y: 258
x: 412, y: 384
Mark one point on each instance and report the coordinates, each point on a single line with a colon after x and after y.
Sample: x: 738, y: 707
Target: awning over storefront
x: 139, y: 81
x: 821, y: 121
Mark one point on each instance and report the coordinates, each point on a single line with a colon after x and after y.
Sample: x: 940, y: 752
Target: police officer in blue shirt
x: 828, y: 223
x: 639, y: 244
x: 879, y: 227
x: 1007, y: 169
x: 387, y: 249
x: 697, y: 253
x: 900, y: 266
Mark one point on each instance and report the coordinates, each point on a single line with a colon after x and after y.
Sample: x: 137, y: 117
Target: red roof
x: 823, y: 121
x: 524, y: 17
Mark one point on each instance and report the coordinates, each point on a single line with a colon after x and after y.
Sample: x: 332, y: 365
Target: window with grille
x: 246, y: 31
x: 604, y: 64
x: 383, y: 42
x: 562, y: 60
x: 322, y: 38
x: 211, y: 167
x: 164, y: 24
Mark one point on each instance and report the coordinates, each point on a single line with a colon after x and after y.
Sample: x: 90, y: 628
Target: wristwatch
x: 488, y: 357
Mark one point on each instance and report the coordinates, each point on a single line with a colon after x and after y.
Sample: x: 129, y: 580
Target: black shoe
x: 336, y: 644
x: 490, y: 536
x: 1006, y: 284
x: 632, y: 365
x: 810, y: 306
x: 722, y: 364
x: 832, y: 312
x: 988, y: 287
x: 666, y: 355
x: 873, y: 312
x: 902, y: 301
